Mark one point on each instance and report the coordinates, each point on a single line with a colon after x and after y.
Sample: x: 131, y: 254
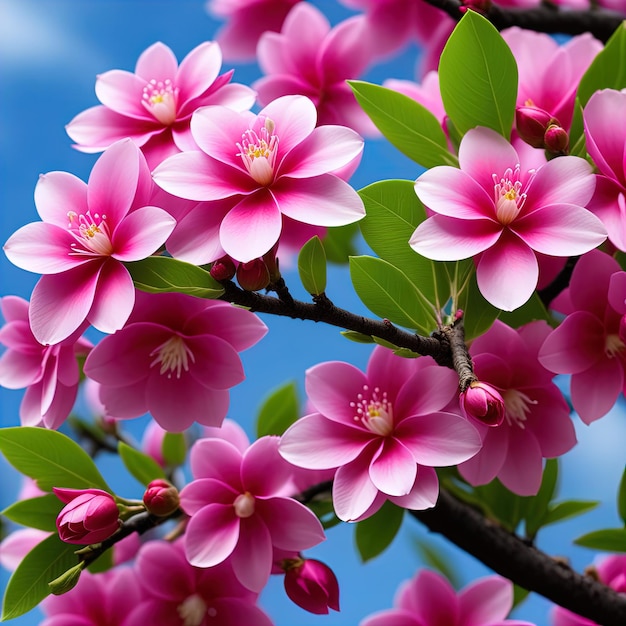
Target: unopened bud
x: 480, y: 6
x: 484, y: 403
x: 66, y: 581
x: 253, y: 276
x: 556, y: 139
x: 312, y: 585
x: 223, y: 269
x: 271, y: 262
x: 532, y: 123
x: 161, y: 498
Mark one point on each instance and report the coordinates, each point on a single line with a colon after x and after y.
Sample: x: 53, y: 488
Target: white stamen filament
x: 517, y: 407
x: 173, y: 355
x: 192, y: 610
x: 374, y: 411
x: 91, y: 234
x: 160, y: 99
x: 258, y: 152
x: 508, y: 196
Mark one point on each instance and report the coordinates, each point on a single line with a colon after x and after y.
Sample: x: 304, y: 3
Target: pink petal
x: 122, y: 92
x: 295, y: 118
x: 609, y: 205
x: 485, y: 466
x: 590, y: 282
x: 432, y: 597
x: 390, y: 372
x: 251, y: 227
x: 393, y: 468
x: 595, y: 391
x: 428, y: 391
x: 18, y: 370
x: 443, y: 238
x: 157, y: 62
x: 253, y: 556
x: 264, y: 472
x: 216, y: 458
x: 218, y: 363
x: 56, y: 193
x: 617, y: 292
x: 163, y: 569
x: 509, y: 262
x: 14, y: 308
x: 522, y: 468
x: 141, y: 233
x: 392, y: 617
x: 124, y: 402
x: 423, y: 494
x: 204, y: 491
x: 211, y: 535
x: 346, y: 52
x: 274, y: 86
x: 353, y: 489
x: 486, y: 600
x: 197, y: 71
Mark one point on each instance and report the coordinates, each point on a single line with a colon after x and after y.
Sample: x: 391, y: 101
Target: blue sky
x: 50, y: 54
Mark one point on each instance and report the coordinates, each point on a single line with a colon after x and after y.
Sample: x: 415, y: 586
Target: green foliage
x: 143, y: 467
x: 352, y: 335
x: 161, y: 274
x: 478, y: 77
x: 40, y: 512
x: 409, y: 126
x: 437, y: 560
x: 312, y: 266
x: 609, y: 540
x: 174, y: 449
x: 374, y: 534
x: 279, y: 410
x: 50, y: 458
x: 28, y: 585
x: 621, y: 497
x: 339, y: 242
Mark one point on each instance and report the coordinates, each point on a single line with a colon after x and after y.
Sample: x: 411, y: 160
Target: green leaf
x: 621, y: 497
x: 40, y: 512
x: 103, y: 563
x: 408, y: 125
x: 608, y: 69
x: 387, y: 292
x: 532, y: 310
x: 279, y: 410
x: 50, y: 458
x: 538, y: 505
x: 610, y: 540
x: 325, y: 512
x: 374, y: 534
x: 478, y: 314
x: 577, y: 143
x: 478, y: 77
x: 312, y: 266
x: 174, y: 449
x: 434, y: 558
x: 28, y: 585
x: 161, y: 274
x: 507, y: 507
x: 339, y: 242
x: 143, y: 467
x: 352, y: 335
x: 568, y: 508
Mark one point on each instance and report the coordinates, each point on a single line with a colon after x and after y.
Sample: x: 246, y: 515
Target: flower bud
x: 484, y: 403
x: 480, y: 6
x: 312, y: 585
x: 271, y: 262
x: 223, y: 269
x: 66, y: 581
x: 161, y: 498
x: 532, y: 123
x: 253, y: 276
x: 91, y: 515
x: 556, y: 139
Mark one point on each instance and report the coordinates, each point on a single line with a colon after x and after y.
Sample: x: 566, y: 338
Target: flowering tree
x: 500, y: 266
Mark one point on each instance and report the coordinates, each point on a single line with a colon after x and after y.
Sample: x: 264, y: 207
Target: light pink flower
x: 428, y: 598
x: 49, y: 373
x: 87, y: 231
x: 240, y: 511
x: 174, y: 593
x: 176, y: 358
x: 605, y: 121
x: 153, y: 106
x: 308, y: 57
x: 90, y: 515
x: 261, y: 168
x: 537, y: 421
x: 385, y: 430
x: 17, y: 544
x: 587, y: 343
x: 496, y: 211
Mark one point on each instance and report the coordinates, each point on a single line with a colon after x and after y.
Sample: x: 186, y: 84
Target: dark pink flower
x: 153, y: 106
x: 311, y: 584
x: 484, y: 403
x: 90, y: 515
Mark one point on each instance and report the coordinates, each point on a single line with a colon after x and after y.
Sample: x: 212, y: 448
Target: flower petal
x: 216, y: 458
x: 353, y: 489
x: 197, y: 71
x: 56, y: 193
x: 122, y: 92
x: 522, y: 468
x: 595, y: 391
x: 393, y: 468
x: 486, y: 600
x: 253, y: 556
x: 141, y: 233
x: 423, y: 494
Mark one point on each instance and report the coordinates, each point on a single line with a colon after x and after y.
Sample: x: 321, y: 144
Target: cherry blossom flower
x: 587, y: 343
x: 605, y: 121
x: 240, y: 509
x: 308, y: 57
x: 428, y: 598
x: 17, y: 544
x: 385, y: 429
x: 180, y: 359
x: 261, y: 168
x: 49, y: 373
x: 153, y: 105
x: 501, y: 214
x: 537, y: 421
x: 175, y: 593
x: 88, y: 230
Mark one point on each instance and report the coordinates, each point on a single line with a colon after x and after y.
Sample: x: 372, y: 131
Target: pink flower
x: 161, y: 498
x: 261, y: 168
x: 484, y: 403
x: 90, y: 515
x: 176, y: 358
x: 154, y: 105
x: 429, y: 599
x: 240, y: 511
x: 494, y: 210
x: 308, y: 57
x: 536, y: 424
x: 50, y: 373
x: 385, y: 430
x: 88, y: 231
x: 17, y: 544
x: 174, y: 593
x: 587, y: 343
x: 605, y: 121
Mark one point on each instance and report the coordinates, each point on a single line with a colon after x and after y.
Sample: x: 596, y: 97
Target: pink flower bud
x: 161, y: 498
x: 532, y: 123
x: 480, y: 6
x: 556, y: 139
x: 253, y: 276
x: 483, y: 403
x: 312, y: 585
x: 223, y: 269
x: 91, y: 515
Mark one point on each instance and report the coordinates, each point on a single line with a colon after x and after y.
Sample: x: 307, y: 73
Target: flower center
x: 91, y: 233
x: 613, y: 345
x: 192, y: 610
x: 374, y: 411
x: 517, y: 407
x: 160, y: 98
x: 173, y: 355
x: 508, y: 196
x: 258, y: 152
x: 244, y: 504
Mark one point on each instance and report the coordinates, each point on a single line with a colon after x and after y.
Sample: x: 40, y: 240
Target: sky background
x: 50, y: 54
